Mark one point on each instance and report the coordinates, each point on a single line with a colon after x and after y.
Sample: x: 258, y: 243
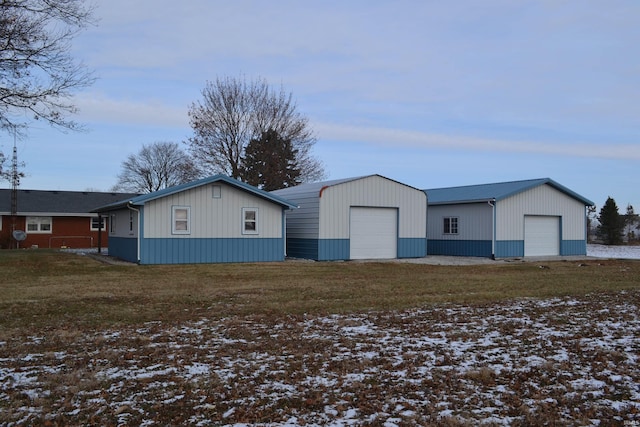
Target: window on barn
x: 181, y: 220
x: 216, y: 191
x: 451, y: 225
x: 39, y: 224
x: 95, y: 223
x: 249, y: 220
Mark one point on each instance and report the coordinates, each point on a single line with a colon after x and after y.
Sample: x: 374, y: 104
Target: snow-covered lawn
x: 621, y: 252
x: 562, y: 361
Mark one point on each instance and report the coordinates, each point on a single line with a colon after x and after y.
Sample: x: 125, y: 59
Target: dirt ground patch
x: 558, y: 361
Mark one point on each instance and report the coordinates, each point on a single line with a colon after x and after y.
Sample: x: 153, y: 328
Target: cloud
x: 400, y: 139
x: 99, y: 107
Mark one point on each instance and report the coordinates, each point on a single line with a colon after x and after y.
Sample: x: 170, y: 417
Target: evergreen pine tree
x: 611, y: 223
x: 269, y: 162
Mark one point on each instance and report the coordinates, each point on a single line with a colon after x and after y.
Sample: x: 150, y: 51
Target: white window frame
x: 93, y: 227
x: 112, y: 224
x: 248, y: 221
x: 450, y: 225
x: 175, y: 220
x: 216, y: 191
x: 41, y: 223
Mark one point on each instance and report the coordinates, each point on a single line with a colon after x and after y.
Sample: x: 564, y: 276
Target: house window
x: 98, y: 223
x: 216, y: 191
x: 181, y: 219
x: 249, y: 221
x: 451, y: 225
x: 39, y: 224
x: 130, y: 221
x: 112, y: 224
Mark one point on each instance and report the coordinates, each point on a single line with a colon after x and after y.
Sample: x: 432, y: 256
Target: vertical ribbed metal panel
x: 302, y: 223
x: 213, y: 217
x: 543, y: 200
x: 475, y: 221
x: 122, y: 220
x: 372, y: 191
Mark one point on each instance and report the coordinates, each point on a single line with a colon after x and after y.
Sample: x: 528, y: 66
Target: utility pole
x: 15, y: 182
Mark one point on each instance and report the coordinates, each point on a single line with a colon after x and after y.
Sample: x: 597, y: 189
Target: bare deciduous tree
x: 37, y: 73
x: 156, y: 166
x: 233, y: 111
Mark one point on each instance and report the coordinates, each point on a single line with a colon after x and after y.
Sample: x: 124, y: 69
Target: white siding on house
x: 474, y: 221
x: 213, y: 217
x: 372, y: 191
x: 542, y: 200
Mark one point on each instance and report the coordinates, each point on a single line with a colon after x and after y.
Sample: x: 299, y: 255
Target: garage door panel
x: 541, y: 235
x: 373, y: 233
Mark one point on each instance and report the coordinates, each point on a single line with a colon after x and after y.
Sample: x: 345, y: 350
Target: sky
x: 429, y: 93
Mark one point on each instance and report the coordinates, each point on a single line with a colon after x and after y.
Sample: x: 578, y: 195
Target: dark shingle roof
x: 495, y: 191
x: 58, y: 202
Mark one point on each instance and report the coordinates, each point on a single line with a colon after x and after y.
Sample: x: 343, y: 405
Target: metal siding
x: 509, y: 248
x: 124, y: 248
x: 302, y: 248
x: 412, y: 247
x: 372, y: 191
x: 573, y: 247
x: 542, y: 200
x: 193, y: 251
x: 476, y: 248
x: 333, y: 249
x: 213, y: 217
x: 474, y: 222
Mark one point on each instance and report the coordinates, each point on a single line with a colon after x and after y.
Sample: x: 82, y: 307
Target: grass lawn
x: 317, y: 344
x: 47, y: 289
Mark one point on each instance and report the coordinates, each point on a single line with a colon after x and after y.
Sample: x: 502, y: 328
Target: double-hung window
x: 181, y: 220
x: 98, y: 223
x: 450, y: 225
x: 39, y: 224
x: 249, y: 220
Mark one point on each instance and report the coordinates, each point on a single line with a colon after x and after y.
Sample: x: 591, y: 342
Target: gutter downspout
x: 139, y: 232
x: 492, y: 203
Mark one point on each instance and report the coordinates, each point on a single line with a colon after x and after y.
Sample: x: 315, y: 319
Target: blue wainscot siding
x: 573, y: 247
x: 214, y: 250
x: 318, y: 249
x: 338, y: 249
x: 302, y: 248
x: 412, y: 247
x: 333, y: 249
x: 479, y: 248
x: 124, y: 248
x: 509, y: 248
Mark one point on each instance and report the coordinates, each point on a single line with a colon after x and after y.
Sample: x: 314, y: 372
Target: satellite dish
x: 19, y: 235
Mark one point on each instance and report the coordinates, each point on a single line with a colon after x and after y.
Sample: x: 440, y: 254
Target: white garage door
x: 373, y: 233
x: 541, y: 235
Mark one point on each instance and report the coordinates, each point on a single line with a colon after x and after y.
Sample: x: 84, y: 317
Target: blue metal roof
x: 142, y: 199
x: 496, y: 191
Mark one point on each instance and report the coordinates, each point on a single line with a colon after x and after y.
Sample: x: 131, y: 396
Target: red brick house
x: 55, y: 219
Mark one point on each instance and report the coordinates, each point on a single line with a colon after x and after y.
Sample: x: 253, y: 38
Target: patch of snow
x: 620, y: 252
